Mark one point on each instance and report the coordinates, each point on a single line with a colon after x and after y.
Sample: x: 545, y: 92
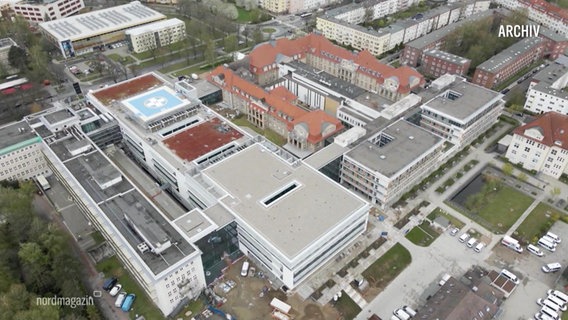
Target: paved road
x: 446, y: 254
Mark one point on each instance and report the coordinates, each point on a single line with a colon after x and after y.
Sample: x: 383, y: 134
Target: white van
x: 549, y: 239
x: 547, y: 303
x: 547, y: 244
x: 549, y: 312
x: 559, y: 302
x: 464, y: 237
x: 554, y: 237
x: 509, y: 275
x: 551, y: 267
x: 560, y: 295
x: 471, y: 242
x: 245, y: 269
x: 479, y: 247
x: 411, y: 312
x: 401, y: 314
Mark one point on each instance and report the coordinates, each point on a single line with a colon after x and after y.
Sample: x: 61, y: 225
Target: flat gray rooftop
x: 548, y: 75
x: 338, y: 85
x: 58, y: 116
x: 507, y: 56
x: 325, y: 155
x: 446, y: 56
x: 293, y: 221
x: 437, y: 35
x: 192, y: 223
x: 472, y: 99
x: 122, y: 200
x: 409, y: 143
x: 12, y: 134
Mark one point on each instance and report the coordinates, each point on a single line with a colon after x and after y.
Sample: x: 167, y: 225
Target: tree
x: 39, y: 61
x: 369, y: 15
x: 210, y: 54
x: 18, y: 58
x: 231, y: 43
x: 555, y: 192
x: 507, y: 169
x: 257, y: 35
x: 523, y: 177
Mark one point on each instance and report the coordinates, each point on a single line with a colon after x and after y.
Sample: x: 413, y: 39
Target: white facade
x: 391, y: 162
x: 21, y: 157
x: 480, y: 109
x: 155, y: 35
x: 534, y: 150
x: 342, y: 25
x: 47, y: 11
x: 547, y: 91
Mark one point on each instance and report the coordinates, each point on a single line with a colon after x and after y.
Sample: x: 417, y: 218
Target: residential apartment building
x: 541, y: 12
x: 341, y: 25
x: 5, y: 45
x: 461, y: 111
x: 275, y: 6
x: 297, y: 6
x: 507, y: 63
x: 391, y: 161
x: 155, y: 35
x: 542, y: 145
x: 556, y: 43
x: 437, y: 63
x: 21, y: 156
x: 547, y: 90
x: 81, y: 34
x: 47, y: 10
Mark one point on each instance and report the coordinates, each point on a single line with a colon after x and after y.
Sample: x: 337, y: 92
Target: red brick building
x: 505, y: 64
x: 436, y: 63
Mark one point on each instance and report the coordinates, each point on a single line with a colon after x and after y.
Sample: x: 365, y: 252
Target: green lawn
x: 388, y: 266
x: 500, y: 210
x: 453, y: 220
x: 180, y: 65
x: 268, y: 30
x: 422, y: 235
x: 347, y: 307
x: 143, y: 305
x: 268, y: 134
x: 537, y: 223
x: 125, y: 60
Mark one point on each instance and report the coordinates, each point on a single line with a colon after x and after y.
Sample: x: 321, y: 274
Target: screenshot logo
x: 518, y: 31
x: 71, y: 302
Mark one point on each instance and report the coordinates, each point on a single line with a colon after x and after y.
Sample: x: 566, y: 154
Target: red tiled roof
x: 266, y: 54
x: 194, y: 142
x: 284, y: 93
x: 553, y: 126
x: 316, y: 122
x: 238, y: 85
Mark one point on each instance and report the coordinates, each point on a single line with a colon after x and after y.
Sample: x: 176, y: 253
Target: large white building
x: 548, y: 90
x: 291, y: 218
x: 21, y: 157
x: 47, y: 10
x: 80, y: 34
x: 155, y: 35
x: 542, y: 145
x: 460, y: 111
x: 390, y: 162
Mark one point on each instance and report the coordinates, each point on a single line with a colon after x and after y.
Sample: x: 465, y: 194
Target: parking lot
x: 534, y: 282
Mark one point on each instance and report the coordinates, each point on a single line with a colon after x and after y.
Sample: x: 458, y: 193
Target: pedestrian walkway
x: 355, y: 296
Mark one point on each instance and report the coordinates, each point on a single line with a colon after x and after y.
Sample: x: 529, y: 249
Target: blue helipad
x: 153, y: 104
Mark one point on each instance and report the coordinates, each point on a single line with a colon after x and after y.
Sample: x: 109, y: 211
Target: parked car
x: 109, y: 283
x: 120, y: 299
x: 128, y: 301
x: 115, y: 290
x: 535, y: 250
x: 479, y: 247
x: 464, y: 237
x: 454, y: 231
x: 471, y: 242
x: 551, y: 267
